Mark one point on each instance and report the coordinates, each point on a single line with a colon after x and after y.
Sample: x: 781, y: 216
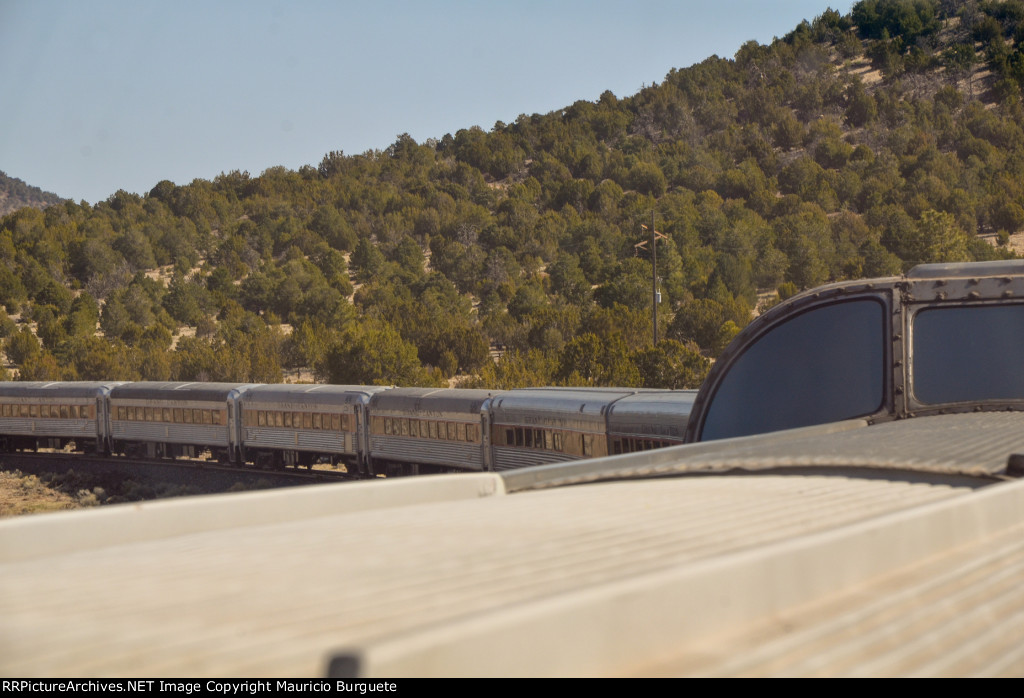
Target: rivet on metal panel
x: 897, y: 362
x: 897, y: 336
x: 974, y: 295
x: 1007, y: 294
x: 972, y: 282
x: 898, y: 389
x: 940, y: 282
x: 940, y: 296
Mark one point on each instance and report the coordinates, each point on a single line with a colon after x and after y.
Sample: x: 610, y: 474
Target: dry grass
x: 26, y: 494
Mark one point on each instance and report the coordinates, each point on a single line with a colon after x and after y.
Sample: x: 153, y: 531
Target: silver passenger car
x: 649, y: 419
x: 301, y: 424
x: 54, y: 414
x: 532, y: 426
x: 159, y: 419
x: 422, y: 430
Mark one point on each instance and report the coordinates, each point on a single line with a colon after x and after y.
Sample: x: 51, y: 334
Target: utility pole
x: 654, y: 271
x: 654, y: 277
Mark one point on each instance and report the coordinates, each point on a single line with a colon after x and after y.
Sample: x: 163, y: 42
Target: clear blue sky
x: 119, y: 94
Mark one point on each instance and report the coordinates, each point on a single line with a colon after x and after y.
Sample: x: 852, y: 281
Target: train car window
x: 176, y: 415
x: 336, y: 422
x: 167, y: 414
x: 44, y: 411
x: 5, y: 410
x: 387, y: 426
x: 33, y: 410
x: 261, y: 419
x: 588, y: 444
x: 317, y: 420
x: 460, y: 434
x: 968, y: 354
x: 218, y: 417
x: 63, y: 411
x: 821, y: 366
x: 557, y: 439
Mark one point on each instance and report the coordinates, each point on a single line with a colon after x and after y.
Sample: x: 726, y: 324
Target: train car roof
x: 50, y: 389
x: 427, y: 399
x: 313, y: 394
x: 587, y: 402
x: 652, y: 413
x: 154, y: 390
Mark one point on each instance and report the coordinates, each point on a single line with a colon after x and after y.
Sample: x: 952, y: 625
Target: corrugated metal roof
x: 277, y: 599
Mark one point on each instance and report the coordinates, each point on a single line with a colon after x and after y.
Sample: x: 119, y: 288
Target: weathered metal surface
x: 381, y: 580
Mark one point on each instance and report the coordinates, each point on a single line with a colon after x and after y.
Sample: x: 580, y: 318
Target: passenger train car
x: 53, y: 415
x: 169, y: 420
x: 371, y: 430
x: 302, y: 424
x: 549, y: 425
x: 414, y: 430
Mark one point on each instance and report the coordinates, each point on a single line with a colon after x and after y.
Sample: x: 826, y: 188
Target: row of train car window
x: 49, y: 411
x: 545, y: 439
x: 426, y: 429
x: 621, y: 444
x: 172, y: 415
x: 297, y: 420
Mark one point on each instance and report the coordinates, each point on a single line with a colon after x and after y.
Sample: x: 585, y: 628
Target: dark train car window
x: 968, y: 354
x: 821, y: 366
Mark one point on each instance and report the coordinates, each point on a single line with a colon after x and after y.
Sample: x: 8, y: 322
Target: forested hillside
x: 15, y: 194
x: 855, y: 146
